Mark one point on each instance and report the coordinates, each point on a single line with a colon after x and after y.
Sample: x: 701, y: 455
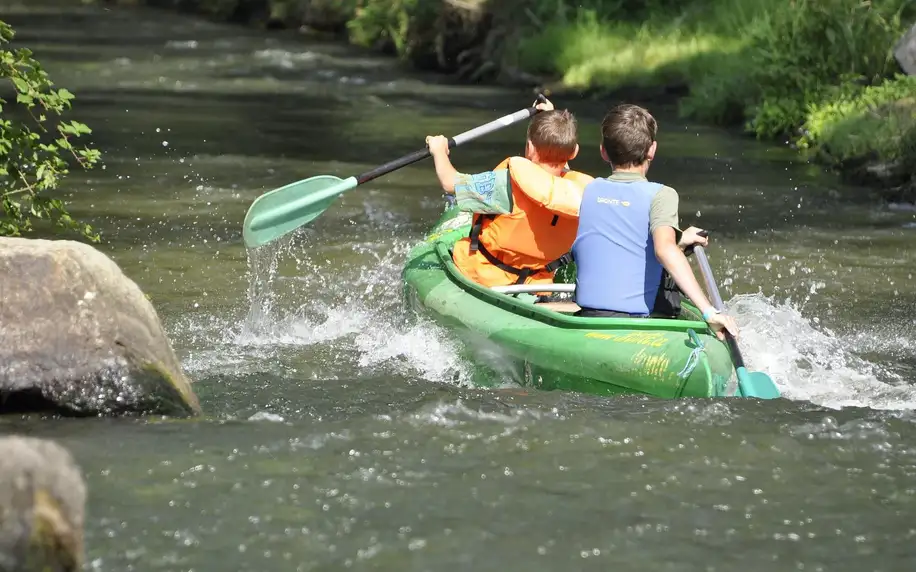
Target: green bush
x: 595, y: 50
x: 402, y: 27
x: 815, y: 71
x: 31, y: 148
x: 856, y: 121
x: 801, y: 52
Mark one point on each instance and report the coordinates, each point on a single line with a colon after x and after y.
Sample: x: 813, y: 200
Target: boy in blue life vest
x: 629, y: 260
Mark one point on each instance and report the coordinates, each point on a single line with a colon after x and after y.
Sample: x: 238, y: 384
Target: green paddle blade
x: 756, y: 384
x: 283, y: 210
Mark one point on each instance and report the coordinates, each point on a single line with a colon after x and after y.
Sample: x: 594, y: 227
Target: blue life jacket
x: 616, y: 266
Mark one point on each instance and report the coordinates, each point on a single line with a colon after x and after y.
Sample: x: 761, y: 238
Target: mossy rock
x: 80, y: 337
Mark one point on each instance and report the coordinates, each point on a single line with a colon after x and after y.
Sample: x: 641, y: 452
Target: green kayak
x: 549, y: 348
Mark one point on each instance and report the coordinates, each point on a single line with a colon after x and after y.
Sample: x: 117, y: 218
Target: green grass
x: 591, y: 53
x: 877, y: 121
x: 594, y: 49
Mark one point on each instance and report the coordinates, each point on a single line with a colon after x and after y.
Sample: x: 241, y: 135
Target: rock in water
x: 78, y: 336
x: 42, y: 507
x: 905, y: 52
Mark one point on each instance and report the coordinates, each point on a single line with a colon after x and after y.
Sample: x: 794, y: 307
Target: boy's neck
x: 638, y: 169
x: 555, y: 170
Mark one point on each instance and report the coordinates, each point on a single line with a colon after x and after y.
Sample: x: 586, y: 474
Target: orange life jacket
x: 529, y: 244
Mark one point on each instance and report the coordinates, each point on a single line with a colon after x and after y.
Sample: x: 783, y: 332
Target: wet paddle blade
x: 756, y: 384
x: 283, y: 210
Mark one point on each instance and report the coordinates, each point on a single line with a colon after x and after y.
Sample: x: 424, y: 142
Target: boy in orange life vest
x: 525, y: 210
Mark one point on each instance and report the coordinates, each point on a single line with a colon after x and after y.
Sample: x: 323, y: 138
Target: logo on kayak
x: 651, y: 339
x: 653, y: 365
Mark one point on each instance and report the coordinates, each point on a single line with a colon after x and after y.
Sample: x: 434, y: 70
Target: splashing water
x: 262, y: 267
x: 307, y: 304
x: 811, y: 364
x: 359, y: 322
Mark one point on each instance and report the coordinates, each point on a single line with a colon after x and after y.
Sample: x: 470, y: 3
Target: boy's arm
x: 483, y: 193
x: 663, y: 221
x: 558, y: 195
x: 448, y: 175
x: 677, y: 265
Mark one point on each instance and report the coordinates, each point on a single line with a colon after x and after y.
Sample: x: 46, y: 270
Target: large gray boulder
x: 79, y: 337
x: 42, y: 507
x: 905, y: 52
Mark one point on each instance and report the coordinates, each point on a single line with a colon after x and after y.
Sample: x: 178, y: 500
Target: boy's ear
x: 652, y: 148
x: 604, y: 153
x: 574, y: 153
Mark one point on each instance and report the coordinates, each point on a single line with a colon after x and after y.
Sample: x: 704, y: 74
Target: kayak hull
x: 534, y: 345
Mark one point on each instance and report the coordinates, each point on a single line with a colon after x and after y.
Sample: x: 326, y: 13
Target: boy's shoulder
x: 578, y: 177
x: 665, y: 190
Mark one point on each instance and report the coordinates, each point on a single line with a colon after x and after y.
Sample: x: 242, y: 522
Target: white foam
x: 284, y: 58
x: 813, y: 364
x: 266, y: 416
x: 356, y: 313
x: 424, y: 348
x: 457, y: 414
x: 299, y: 330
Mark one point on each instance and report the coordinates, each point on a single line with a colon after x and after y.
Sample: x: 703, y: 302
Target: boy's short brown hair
x: 553, y: 134
x: 627, y: 133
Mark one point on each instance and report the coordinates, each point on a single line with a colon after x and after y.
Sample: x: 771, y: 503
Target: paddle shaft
x: 713, y: 291
x: 453, y: 142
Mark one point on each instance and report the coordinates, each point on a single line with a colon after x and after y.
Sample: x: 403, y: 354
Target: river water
x: 341, y: 432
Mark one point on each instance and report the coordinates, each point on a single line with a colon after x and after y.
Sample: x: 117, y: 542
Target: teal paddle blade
x: 283, y: 210
x: 756, y: 384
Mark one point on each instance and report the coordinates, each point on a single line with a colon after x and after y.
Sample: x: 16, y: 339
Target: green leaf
x: 35, y: 158
x: 21, y: 85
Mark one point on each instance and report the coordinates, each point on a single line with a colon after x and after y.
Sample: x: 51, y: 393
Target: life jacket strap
x: 524, y: 273
x: 476, y: 229
x: 559, y: 262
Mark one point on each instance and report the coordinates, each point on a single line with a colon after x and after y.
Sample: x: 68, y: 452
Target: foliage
x: 324, y: 14
x: 814, y: 71
x: 31, y: 161
x: 393, y: 25
x: 801, y: 52
x: 597, y: 51
x: 874, y: 120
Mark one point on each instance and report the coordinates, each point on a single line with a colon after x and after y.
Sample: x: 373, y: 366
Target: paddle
x: 750, y: 383
x: 283, y: 210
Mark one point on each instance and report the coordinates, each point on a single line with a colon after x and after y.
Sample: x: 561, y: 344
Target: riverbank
x: 820, y: 76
